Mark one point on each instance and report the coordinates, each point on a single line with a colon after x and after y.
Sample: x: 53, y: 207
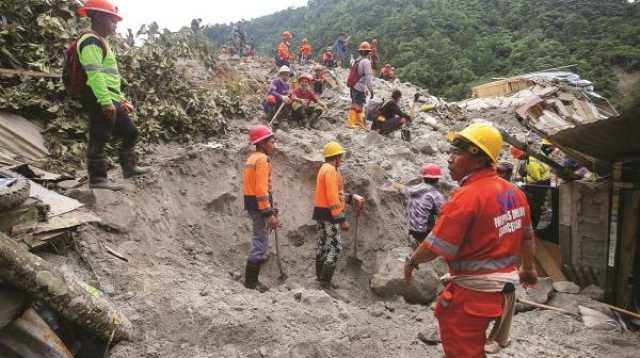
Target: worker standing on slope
x: 283, y: 56
x: 307, y: 108
x: 341, y: 49
x: 306, y: 51
x: 537, y: 176
x: 258, y: 202
x: 102, y: 99
x: 423, y: 202
x: 484, y: 232
x: 391, y: 116
x: 328, y: 212
x: 328, y: 58
x: 360, y: 82
x: 279, y: 92
x: 375, y: 57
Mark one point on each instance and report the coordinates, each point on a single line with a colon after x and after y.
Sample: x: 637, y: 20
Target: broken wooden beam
x: 7, y: 72
x: 72, y: 299
x: 562, y: 172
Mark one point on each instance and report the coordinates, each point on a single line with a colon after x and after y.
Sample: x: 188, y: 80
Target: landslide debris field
x: 186, y: 236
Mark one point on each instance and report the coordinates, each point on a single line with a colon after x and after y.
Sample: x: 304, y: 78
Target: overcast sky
x: 177, y: 13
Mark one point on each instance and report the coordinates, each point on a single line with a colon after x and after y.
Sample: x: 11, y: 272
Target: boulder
x: 116, y: 210
x: 540, y: 292
x: 425, y: 145
x: 572, y: 302
x: 594, y: 292
x: 566, y: 287
x: 388, y: 281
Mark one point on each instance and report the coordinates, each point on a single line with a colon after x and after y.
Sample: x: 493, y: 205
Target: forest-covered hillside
x: 451, y: 45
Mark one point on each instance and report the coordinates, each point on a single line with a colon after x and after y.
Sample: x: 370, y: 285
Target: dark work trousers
x: 537, y: 195
x: 101, y: 130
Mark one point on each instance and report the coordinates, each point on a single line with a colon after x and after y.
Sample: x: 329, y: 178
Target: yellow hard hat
x: 484, y: 136
x: 545, y: 142
x: 332, y: 149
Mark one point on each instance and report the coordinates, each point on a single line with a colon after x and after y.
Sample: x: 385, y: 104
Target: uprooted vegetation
x: 168, y: 107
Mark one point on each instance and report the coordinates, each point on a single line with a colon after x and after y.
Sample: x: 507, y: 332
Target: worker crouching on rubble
x: 484, y: 232
x: 258, y: 202
x: 423, y: 202
x: 279, y: 93
x: 104, y: 101
x: 391, y: 117
x: 328, y: 212
x: 306, y: 107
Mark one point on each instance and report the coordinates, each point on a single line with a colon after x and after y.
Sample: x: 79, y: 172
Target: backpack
x: 354, y: 76
x: 74, y: 76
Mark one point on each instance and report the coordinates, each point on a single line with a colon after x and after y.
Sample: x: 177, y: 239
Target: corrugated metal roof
x: 22, y: 138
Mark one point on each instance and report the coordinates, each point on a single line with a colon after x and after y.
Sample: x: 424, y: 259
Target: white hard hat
x: 284, y: 69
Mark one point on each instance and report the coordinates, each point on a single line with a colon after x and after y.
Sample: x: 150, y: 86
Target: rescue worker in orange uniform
x: 306, y: 51
x: 329, y: 205
x: 258, y: 202
x: 484, y: 232
x: 283, y: 56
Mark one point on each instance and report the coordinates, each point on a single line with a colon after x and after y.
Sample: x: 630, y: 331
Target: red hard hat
x: 259, y: 133
x: 105, y: 6
x: 306, y: 76
x: 516, y: 153
x: 431, y: 171
x: 271, y: 99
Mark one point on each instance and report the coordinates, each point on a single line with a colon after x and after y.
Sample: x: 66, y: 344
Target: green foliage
x: 168, y: 107
x: 448, y: 45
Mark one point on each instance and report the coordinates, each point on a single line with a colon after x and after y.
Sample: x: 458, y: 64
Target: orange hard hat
x: 365, y: 46
x: 517, y: 153
x: 259, y: 133
x: 287, y: 34
x: 104, y: 6
x: 431, y: 171
x: 271, y: 99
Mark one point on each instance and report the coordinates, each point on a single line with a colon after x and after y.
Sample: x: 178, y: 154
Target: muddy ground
x: 186, y: 237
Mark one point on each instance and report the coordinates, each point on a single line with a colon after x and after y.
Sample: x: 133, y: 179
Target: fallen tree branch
x: 6, y: 72
x: 72, y: 299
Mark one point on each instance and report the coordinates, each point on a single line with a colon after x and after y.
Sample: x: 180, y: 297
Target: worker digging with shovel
x: 258, y: 202
x: 329, y: 204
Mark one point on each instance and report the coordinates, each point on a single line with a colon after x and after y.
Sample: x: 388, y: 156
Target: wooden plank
x: 548, y: 264
x: 628, y: 246
x: 7, y: 72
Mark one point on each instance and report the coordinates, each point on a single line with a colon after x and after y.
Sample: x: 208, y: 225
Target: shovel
x: 405, y: 132
x: 277, y: 114
x: 283, y: 275
x: 354, y: 260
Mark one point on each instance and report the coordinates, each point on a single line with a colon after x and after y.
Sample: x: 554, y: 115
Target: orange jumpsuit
x: 479, y: 231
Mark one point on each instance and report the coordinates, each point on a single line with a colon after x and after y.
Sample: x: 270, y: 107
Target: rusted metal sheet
x: 22, y: 138
x: 30, y: 337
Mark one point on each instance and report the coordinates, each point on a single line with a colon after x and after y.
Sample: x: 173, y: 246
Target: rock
x: 388, y: 281
x: 69, y: 184
x: 297, y: 296
x: 11, y: 305
x: 222, y: 203
x: 373, y: 138
x: 402, y: 153
x: 539, y: 293
x: 566, y: 287
x: 570, y: 302
x: 116, y: 210
x: 594, y: 292
x: 189, y: 245
x: 85, y: 196
x: 425, y: 145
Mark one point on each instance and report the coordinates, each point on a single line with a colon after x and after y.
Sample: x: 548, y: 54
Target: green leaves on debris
x: 169, y: 108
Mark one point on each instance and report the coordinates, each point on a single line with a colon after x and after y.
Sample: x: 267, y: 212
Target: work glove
x: 272, y: 222
x: 528, y: 277
x: 109, y: 112
x: 127, y: 107
x: 358, y: 201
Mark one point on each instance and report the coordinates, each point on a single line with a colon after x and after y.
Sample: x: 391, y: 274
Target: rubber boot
x: 97, y: 169
x: 319, y: 265
x: 252, y: 271
x: 128, y: 161
x: 326, y: 275
x: 352, y: 119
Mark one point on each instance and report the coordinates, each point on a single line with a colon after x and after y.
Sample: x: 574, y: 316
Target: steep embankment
x: 186, y: 236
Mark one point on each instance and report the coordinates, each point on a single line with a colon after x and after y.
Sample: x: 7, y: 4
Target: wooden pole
x: 72, y: 299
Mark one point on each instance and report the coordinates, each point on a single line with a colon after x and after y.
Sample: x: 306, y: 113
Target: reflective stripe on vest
x: 442, y: 245
x: 483, y: 265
